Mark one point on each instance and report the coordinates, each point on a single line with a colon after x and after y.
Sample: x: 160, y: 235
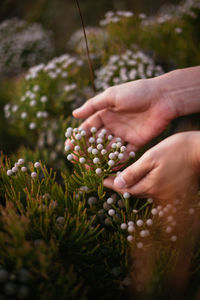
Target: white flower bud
x: 23, y: 115
x: 168, y: 229
x: 77, y: 148
x: 139, y: 223
x: 143, y: 233
x: 83, y: 132
x: 174, y: 238
x: 131, y: 229
x: 154, y: 211
x: 23, y: 169
x: 14, y: 169
x: 75, y: 130
x: 103, y: 151
x: 110, y: 200
x: 132, y: 154
x: 112, y: 155
x: 119, y: 144
x: 82, y: 160
x: 92, y: 200
x: 78, y: 136
x: 99, y: 146
x: 95, y: 151
x: 93, y: 129
x: 111, y: 163
x: 37, y: 164
x: 123, y: 148
x: 149, y: 222
x: 69, y: 156
x: 123, y: 226
x: 110, y: 137
x: 68, y: 134
x: 150, y: 200
x: 98, y: 171
x: 33, y: 174
x: 96, y: 160
x: 20, y: 161
x: 103, y: 131
x: 111, y: 212
x: 114, y: 145
x: 129, y: 238
x: 99, y: 140
x: 44, y: 99
x: 118, y: 139
x: 9, y: 172
x: 32, y: 126
x: 91, y: 140
x: 126, y: 195
x: 89, y: 149
x: 67, y: 148
x: 130, y: 223
x: 121, y: 156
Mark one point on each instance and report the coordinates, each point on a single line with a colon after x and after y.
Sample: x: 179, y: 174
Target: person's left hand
x: 168, y: 171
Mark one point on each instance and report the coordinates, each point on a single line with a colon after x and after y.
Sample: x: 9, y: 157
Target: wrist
x: 180, y: 90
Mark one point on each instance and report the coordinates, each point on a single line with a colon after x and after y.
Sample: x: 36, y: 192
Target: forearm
x: 181, y: 88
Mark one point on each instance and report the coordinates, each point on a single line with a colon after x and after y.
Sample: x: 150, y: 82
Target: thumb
x: 99, y: 102
x: 134, y: 173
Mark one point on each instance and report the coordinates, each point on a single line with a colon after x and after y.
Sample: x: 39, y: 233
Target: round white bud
x: 132, y: 154
x: 110, y: 200
x: 20, y: 161
x: 24, y: 115
x: 98, y: 171
x: 82, y: 160
x: 9, y: 172
x: 96, y: 160
x: 110, y: 137
x: 112, y: 155
x: 37, y: 164
x: 67, y: 147
x: 33, y: 174
x: 100, y: 135
x: 92, y: 200
x: 69, y: 156
x: 78, y: 136
x: 32, y: 126
x: 143, y: 233
x: 95, y: 151
x: 129, y: 238
x: 119, y: 144
x: 111, y: 163
x: 83, y: 132
x: 99, y: 146
x: 103, y: 151
x: 99, y: 140
x: 91, y: 140
x: 114, y: 145
x: 111, y: 212
x: 121, y: 156
x: 130, y: 223
x: 68, y: 134
x: 168, y: 229
x: 14, y: 169
x: 23, y: 169
x: 123, y: 148
x: 131, y: 229
x: 93, y: 129
x: 154, y: 211
x: 123, y: 226
x: 89, y: 149
x: 104, y: 131
x: 149, y: 222
x: 139, y: 245
x: 174, y: 238
x: 118, y: 139
x: 75, y: 130
x: 116, y: 153
x: 126, y: 195
x: 139, y: 223
x: 44, y: 99
x: 77, y: 148
x: 150, y: 200
x: 170, y: 218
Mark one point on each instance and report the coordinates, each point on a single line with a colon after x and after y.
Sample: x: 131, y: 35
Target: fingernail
x: 119, y: 182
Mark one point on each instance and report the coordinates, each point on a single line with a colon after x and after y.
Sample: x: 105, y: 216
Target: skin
x: 139, y: 111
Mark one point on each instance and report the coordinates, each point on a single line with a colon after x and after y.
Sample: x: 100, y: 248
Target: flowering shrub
x: 22, y: 45
x: 128, y: 66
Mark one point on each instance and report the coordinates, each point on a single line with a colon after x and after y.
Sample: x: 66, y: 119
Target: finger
x: 93, y: 121
x: 133, y: 174
x: 99, y: 102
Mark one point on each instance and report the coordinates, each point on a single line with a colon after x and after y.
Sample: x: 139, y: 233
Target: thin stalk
x: 87, y: 48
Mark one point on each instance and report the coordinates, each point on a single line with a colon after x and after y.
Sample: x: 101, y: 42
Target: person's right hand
x: 135, y: 111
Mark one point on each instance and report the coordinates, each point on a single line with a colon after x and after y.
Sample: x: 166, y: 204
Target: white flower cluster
x: 98, y: 156
x: 38, y: 97
x: 126, y: 67
x: 22, y: 45
x: 19, y: 167
x: 190, y: 7
x: 58, y: 67
x: 115, y: 17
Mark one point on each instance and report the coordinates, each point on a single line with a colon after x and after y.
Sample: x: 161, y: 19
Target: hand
x: 135, y: 111
x: 168, y: 171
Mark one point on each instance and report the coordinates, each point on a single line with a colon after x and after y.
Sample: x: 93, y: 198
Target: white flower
x: 36, y: 88
x: 95, y: 151
x: 96, y: 160
x: 89, y: 149
x: 93, y: 129
x: 33, y: 174
x: 121, y: 156
x: 110, y: 137
x: 44, y: 99
x: 67, y: 147
x: 129, y: 238
x: 103, y: 151
x: 139, y: 245
x: 91, y: 140
x: 83, y: 132
x: 131, y: 229
x: 9, y: 172
x: 114, y: 145
x: 23, y: 115
x: 139, y: 223
x: 69, y: 156
x: 23, y: 169
x: 132, y: 154
x: 111, y: 212
x: 126, y: 195
x: 32, y: 103
x: 149, y: 222
x: 174, y: 238
x: 123, y: 148
x: 14, y: 169
x: 111, y: 163
x: 98, y: 171
x: 110, y: 200
x: 78, y: 136
x: 112, y: 155
x: 37, y: 164
x: 20, y: 161
x: 77, y: 148
x: 32, y: 125
x: 15, y: 108
x: 123, y: 226
x: 99, y: 146
x: 82, y: 160
x: 154, y: 211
